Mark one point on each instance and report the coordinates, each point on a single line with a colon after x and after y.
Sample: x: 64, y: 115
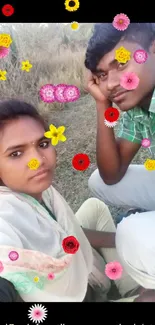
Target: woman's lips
x: 41, y: 174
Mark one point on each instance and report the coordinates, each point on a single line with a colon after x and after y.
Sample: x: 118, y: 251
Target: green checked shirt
x: 137, y: 124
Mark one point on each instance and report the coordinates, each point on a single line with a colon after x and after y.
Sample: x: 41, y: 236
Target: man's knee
x: 93, y: 181
x: 98, y: 188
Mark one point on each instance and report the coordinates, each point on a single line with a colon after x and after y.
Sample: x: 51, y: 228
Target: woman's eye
x: 44, y: 144
x: 16, y: 154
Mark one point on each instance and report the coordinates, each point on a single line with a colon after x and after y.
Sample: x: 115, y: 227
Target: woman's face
x: 20, y: 141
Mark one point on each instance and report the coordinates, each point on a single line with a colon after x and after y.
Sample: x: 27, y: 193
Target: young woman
x: 46, y: 251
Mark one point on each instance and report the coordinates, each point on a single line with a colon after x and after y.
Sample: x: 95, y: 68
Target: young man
x: 116, y: 182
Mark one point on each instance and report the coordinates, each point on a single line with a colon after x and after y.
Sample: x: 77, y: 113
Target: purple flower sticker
x: 140, y: 56
x: 47, y: 93
x: 146, y: 143
x: 13, y: 256
x: 71, y: 93
x: 59, y: 93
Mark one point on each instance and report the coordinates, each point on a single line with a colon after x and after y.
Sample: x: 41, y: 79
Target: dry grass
x: 57, y: 54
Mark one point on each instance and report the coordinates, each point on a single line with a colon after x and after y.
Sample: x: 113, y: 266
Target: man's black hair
x: 105, y: 37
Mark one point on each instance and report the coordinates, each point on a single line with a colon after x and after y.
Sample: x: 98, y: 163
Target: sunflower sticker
x: 74, y: 25
x: 72, y: 5
x: 3, y: 75
x: 149, y: 164
x: 26, y: 65
x: 33, y: 164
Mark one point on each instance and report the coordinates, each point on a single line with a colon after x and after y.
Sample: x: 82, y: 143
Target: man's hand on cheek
x: 92, y: 86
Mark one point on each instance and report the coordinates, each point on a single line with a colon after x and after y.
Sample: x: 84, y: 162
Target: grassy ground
x: 80, y: 121
x: 57, y: 54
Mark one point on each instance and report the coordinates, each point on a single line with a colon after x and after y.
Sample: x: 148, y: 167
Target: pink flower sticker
x: 37, y: 313
x: 1, y: 267
x: 58, y: 93
x: 4, y: 51
x: 146, y: 143
x: 140, y: 56
x: 47, y: 93
x: 71, y: 93
x: 129, y: 81
x: 113, y: 270
x: 51, y: 276
x: 13, y: 256
x: 121, y: 22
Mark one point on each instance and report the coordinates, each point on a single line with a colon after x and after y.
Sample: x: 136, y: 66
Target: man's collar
x: 142, y: 115
x: 152, y: 104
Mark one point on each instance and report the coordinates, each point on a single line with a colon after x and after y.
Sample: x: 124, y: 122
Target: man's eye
x: 121, y: 65
x: 16, y: 154
x: 44, y: 144
x: 102, y: 76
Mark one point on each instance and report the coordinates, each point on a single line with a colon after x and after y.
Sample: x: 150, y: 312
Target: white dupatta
x: 31, y: 252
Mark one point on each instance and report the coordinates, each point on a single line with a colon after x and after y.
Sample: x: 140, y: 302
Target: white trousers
x: 95, y: 215
x: 135, y: 190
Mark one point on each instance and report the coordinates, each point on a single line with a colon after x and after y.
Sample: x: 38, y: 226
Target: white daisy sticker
x: 37, y: 313
x: 110, y: 124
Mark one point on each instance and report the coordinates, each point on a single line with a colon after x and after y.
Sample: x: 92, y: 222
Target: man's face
x: 110, y: 71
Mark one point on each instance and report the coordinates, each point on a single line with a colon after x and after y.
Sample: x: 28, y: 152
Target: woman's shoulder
x: 12, y: 204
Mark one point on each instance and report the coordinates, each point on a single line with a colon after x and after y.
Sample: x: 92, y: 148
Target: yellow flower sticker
x: 26, y: 65
x: 149, y: 164
x: 36, y: 279
x: 3, y: 75
x: 5, y: 40
x: 122, y: 55
x: 33, y: 164
x: 55, y: 134
x: 74, y: 25
x: 72, y: 5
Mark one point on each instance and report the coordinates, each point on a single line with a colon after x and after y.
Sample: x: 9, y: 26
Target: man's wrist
x: 102, y: 106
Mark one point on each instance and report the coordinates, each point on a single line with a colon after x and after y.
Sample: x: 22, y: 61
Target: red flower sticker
x: 8, y: 10
x: 81, y: 161
x: 70, y: 245
x: 111, y: 114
